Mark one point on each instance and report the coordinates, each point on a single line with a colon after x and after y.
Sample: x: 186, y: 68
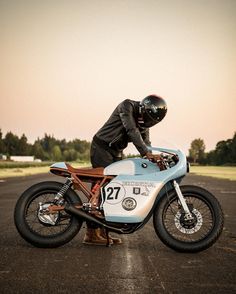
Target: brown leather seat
x: 86, y: 171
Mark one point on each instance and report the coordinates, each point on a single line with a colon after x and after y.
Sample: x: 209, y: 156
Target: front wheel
x: 184, y: 235
x: 42, y: 229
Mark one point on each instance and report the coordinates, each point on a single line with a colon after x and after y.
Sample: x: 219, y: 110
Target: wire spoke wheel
x: 188, y: 231
x: 39, y: 227
x: 181, y: 233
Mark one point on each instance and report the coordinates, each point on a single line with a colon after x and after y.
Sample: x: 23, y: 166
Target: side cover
x: 128, y: 199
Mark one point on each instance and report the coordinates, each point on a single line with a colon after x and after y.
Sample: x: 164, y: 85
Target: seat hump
x: 86, y: 171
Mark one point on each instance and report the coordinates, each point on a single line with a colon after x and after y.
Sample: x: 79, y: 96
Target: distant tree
x: 47, y: 148
x: 222, y: 152
x: 80, y: 145
x: 56, y: 153
x: 63, y: 145
x: 38, y: 152
x: 23, y: 148
x: 70, y: 155
x: 2, y: 145
x: 11, y: 143
x: 85, y: 155
x: 47, y: 143
x: 210, y: 158
x: 225, y: 151
x: 197, y: 150
x: 233, y: 150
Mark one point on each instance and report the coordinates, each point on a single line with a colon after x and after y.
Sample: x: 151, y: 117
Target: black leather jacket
x: 122, y: 128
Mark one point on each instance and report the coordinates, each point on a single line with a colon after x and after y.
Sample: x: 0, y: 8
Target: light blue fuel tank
x: 131, y: 166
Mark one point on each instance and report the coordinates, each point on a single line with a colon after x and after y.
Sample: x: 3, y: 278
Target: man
x: 129, y: 122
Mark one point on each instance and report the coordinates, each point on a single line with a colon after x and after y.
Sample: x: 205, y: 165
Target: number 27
x: 112, y: 190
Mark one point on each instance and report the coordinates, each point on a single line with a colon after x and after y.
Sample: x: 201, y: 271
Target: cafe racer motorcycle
x: 122, y: 198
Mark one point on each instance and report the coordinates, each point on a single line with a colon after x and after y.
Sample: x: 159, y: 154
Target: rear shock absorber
x: 59, y: 198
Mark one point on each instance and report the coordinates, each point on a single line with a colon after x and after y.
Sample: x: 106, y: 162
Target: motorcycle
x: 122, y: 198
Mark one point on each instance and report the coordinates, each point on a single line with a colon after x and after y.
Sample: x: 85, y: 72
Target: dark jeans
x: 101, y: 157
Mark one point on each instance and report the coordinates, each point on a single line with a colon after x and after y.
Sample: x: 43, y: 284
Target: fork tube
x: 181, y: 199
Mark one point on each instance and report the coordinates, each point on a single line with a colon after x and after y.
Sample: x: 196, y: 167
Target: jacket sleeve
x: 146, y: 137
x: 126, y: 112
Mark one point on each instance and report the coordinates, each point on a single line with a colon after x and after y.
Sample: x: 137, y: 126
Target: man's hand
x: 153, y: 157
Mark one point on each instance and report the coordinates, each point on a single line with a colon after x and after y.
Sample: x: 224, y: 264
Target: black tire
x: 181, y: 236
x: 35, y: 231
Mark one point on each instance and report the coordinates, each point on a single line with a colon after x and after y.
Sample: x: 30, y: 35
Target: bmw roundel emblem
x: 129, y: 203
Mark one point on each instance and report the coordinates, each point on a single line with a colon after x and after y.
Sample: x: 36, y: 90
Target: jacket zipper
x: 115, y: 140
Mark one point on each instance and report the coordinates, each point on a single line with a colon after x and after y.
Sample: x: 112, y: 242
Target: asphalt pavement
x: 142, y: 264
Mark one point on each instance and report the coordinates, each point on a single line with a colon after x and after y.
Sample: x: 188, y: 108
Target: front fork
x: 188, y: 215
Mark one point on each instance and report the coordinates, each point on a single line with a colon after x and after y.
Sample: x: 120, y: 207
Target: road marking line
x: 228, y: 249
x: 2, y: 181
x: 155, y: 270
x: 130, y: 267
x: 4, y: 272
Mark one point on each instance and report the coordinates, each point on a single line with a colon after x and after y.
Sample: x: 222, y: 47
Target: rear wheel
x: 193, y: 235
x: 42, y: 229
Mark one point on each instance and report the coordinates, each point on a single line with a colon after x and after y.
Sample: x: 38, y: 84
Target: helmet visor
x: 154, y: 113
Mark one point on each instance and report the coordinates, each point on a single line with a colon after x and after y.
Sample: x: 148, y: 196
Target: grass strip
x: 221, y: 172
x: 20, y: 170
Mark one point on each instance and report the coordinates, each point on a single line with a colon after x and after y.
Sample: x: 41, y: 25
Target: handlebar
x: 172, y: 157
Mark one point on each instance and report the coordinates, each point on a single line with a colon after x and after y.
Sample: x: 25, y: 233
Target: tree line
x: 47, y: 149
x: 223, y: 154
x: 50, y: 149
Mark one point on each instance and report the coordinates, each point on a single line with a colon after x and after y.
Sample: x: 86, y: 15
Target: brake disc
x: 188, y: 227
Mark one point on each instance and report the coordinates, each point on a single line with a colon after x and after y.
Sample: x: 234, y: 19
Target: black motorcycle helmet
x: 152, y: 110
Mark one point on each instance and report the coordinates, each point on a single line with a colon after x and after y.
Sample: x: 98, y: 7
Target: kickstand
x: 108, y: 239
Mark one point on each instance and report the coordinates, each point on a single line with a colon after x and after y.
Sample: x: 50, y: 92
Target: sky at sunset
x: 66, y: 64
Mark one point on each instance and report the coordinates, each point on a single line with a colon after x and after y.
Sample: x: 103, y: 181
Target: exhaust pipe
x: 87, y: 217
